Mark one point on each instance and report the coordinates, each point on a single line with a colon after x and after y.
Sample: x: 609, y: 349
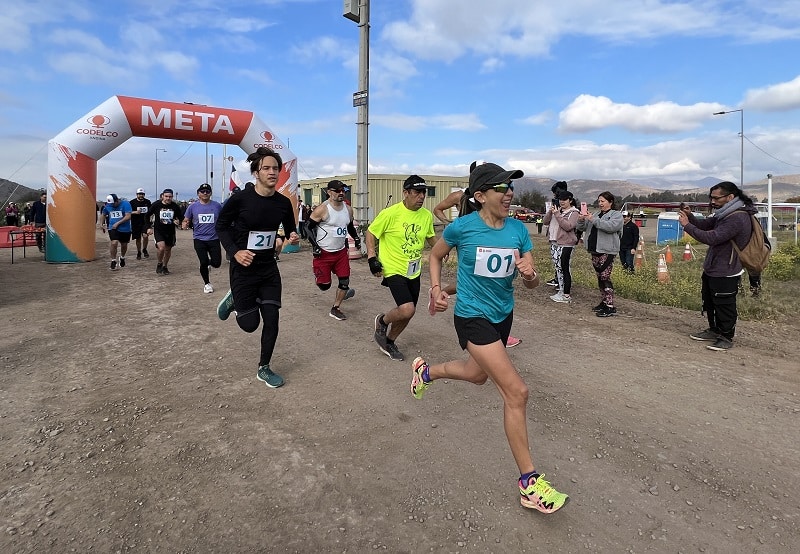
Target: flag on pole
x: 235, y: 181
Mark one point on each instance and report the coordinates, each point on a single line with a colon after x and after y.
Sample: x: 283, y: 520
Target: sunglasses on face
x: 503, y: 187
x: 712, y: 197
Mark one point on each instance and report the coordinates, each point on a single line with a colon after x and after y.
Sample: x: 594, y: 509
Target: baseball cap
x: 167, y: 191
x: 336, y: 185
x: 625, y: 213
x: 415, y: 182
x: 139, y: 191
x: 490, y: 174
x: 111, y: 199
x: 205, y: 187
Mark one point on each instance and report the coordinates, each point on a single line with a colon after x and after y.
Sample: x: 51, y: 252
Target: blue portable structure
x: 669, y: 229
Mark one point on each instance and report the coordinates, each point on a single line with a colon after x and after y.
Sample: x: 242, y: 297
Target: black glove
x: 316, y: 250
x: 357, y: 243
x: 375, y: 266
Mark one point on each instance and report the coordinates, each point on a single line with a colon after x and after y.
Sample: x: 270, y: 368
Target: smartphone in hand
x: 584, y: 210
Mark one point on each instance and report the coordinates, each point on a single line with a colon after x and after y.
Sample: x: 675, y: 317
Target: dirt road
x: 132, y: 420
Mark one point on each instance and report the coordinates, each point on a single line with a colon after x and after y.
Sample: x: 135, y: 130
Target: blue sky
x: 570, y: 89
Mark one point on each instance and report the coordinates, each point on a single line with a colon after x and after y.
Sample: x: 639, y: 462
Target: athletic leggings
x: 210, y: 254
x: 603, y: 264
x: 562, y: 257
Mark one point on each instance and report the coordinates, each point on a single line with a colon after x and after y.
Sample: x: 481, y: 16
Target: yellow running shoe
x: 540, y: 495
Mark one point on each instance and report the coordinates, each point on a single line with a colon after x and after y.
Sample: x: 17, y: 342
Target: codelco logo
x: 98, y: 122
x: 268, y: 138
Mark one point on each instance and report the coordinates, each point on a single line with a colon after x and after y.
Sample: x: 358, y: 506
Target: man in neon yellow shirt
x: 402, y: 229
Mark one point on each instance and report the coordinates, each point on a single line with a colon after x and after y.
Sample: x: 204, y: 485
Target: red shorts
x: 326, y: 263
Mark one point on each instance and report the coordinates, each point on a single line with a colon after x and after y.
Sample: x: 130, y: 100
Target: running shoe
x: 269, y: 377
x: 336, y: 313
x: 599, y: 308
x: 418, y: 385
x: 380, y: 333
x: 113, y: 265
x: 138, y: 255
x: 160, y: 269
x: 225, y: 306
x: 560, y: 297
x: 165, y: 271
x: 755, y: 291
x: 538, y: 494
x: 349, y: 294
x: 512, y: 342
x: 207, y: 288
x: 607, y: 311
x: 393, y: 352
x: 145, y: 254
x: 722, y: 344
x: 122, y: 261
x: 552, y: 282
x: 707, y: 335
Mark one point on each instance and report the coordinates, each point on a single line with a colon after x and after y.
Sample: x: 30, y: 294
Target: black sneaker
x: 336, y: 313
x: 138, y: 255
x: 145, y: 254
x: 607, y: 311
x: 380, y: 332
x: 707, y: 335
x: 122, y: 262
x: 392, y: 351
x: 113, y: 265
x: 160, y: 269
x: 722, y: 344
x: 165, y: 271
x: 552, y: 282
x: 599, y: 308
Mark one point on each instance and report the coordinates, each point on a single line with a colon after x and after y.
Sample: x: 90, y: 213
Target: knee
x: 406, y: 311
x: 248, y: 321
x: 517, y: 395
x: 344, y: 283
x: 324, y: 286
x: 479, y: 379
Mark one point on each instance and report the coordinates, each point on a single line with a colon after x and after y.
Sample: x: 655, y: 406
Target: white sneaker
x: 559, y: 297
x: 208, y: 289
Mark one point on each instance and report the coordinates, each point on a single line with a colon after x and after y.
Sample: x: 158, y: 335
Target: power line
x: 770, y: 155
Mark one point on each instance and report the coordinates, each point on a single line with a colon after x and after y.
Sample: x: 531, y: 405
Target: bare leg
x: 398, y: 319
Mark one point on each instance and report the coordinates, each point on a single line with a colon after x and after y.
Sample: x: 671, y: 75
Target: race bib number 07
x: 495, y: 263
x: 261, y: 240
x: 205, y: 218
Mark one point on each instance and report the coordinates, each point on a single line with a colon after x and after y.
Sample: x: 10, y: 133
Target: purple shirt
x: 204, y: 219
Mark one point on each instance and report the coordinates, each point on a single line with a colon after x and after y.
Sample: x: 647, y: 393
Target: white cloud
x: 779, y: 97
x: 538, y: 119
x: 588, y: 113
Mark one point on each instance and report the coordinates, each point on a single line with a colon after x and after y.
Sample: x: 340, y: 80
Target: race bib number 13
x: 494, y: 262
x: 261, y: 240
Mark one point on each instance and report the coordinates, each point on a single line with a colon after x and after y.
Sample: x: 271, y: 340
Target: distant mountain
x: 783, y: 187
x: 20, y: 193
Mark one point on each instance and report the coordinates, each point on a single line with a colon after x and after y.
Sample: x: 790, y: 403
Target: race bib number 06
x: 261, y: 240
x: 494, y: 262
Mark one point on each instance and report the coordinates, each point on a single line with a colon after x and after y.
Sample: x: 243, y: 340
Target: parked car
x: 526, y: 215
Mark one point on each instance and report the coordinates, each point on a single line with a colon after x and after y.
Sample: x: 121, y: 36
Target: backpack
x: 755, y: 255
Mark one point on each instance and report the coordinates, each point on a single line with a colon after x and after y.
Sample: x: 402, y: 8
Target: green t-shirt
x: 402, y: 234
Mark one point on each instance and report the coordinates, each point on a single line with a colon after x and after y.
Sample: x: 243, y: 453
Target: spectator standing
x: 561, y: 222
x: 492, y: 250
x: 38, y: 217
x: 402, y: 229
x: 166, y: 215
x: 140, y: 222
x: 604, y: 230
x: 203, y: 216
x: 12, y: 215
x: 116, y: 216
x: 628, y: 242
x: 722, y: 270
x: 248, y: 229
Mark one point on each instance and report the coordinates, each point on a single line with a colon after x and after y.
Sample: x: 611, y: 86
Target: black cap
x: 415, y: 182
x: 490, y: 174
x: 205, y: 187
x: 336, y: 185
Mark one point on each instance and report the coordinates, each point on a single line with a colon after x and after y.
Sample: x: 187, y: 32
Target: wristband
x: 531, y: 279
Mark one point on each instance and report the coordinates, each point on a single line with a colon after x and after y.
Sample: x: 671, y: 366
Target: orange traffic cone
x: 639, y: 259
x: 663, y: 272
x: 687, y: 253
x: 668, y: 255
x: 353, y: 253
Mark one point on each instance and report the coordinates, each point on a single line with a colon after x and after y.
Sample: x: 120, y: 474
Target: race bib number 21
x: 494, y: 262
x: 261, y: 240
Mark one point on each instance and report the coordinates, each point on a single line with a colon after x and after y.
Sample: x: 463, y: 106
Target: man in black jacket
x: 628, y: 242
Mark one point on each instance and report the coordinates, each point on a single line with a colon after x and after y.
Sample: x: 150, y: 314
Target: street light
x: 741, y: 138
x: 157, y: 151
x: 358, y: 12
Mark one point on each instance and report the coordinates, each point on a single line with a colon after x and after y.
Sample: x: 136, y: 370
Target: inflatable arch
x: 73, y: 155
